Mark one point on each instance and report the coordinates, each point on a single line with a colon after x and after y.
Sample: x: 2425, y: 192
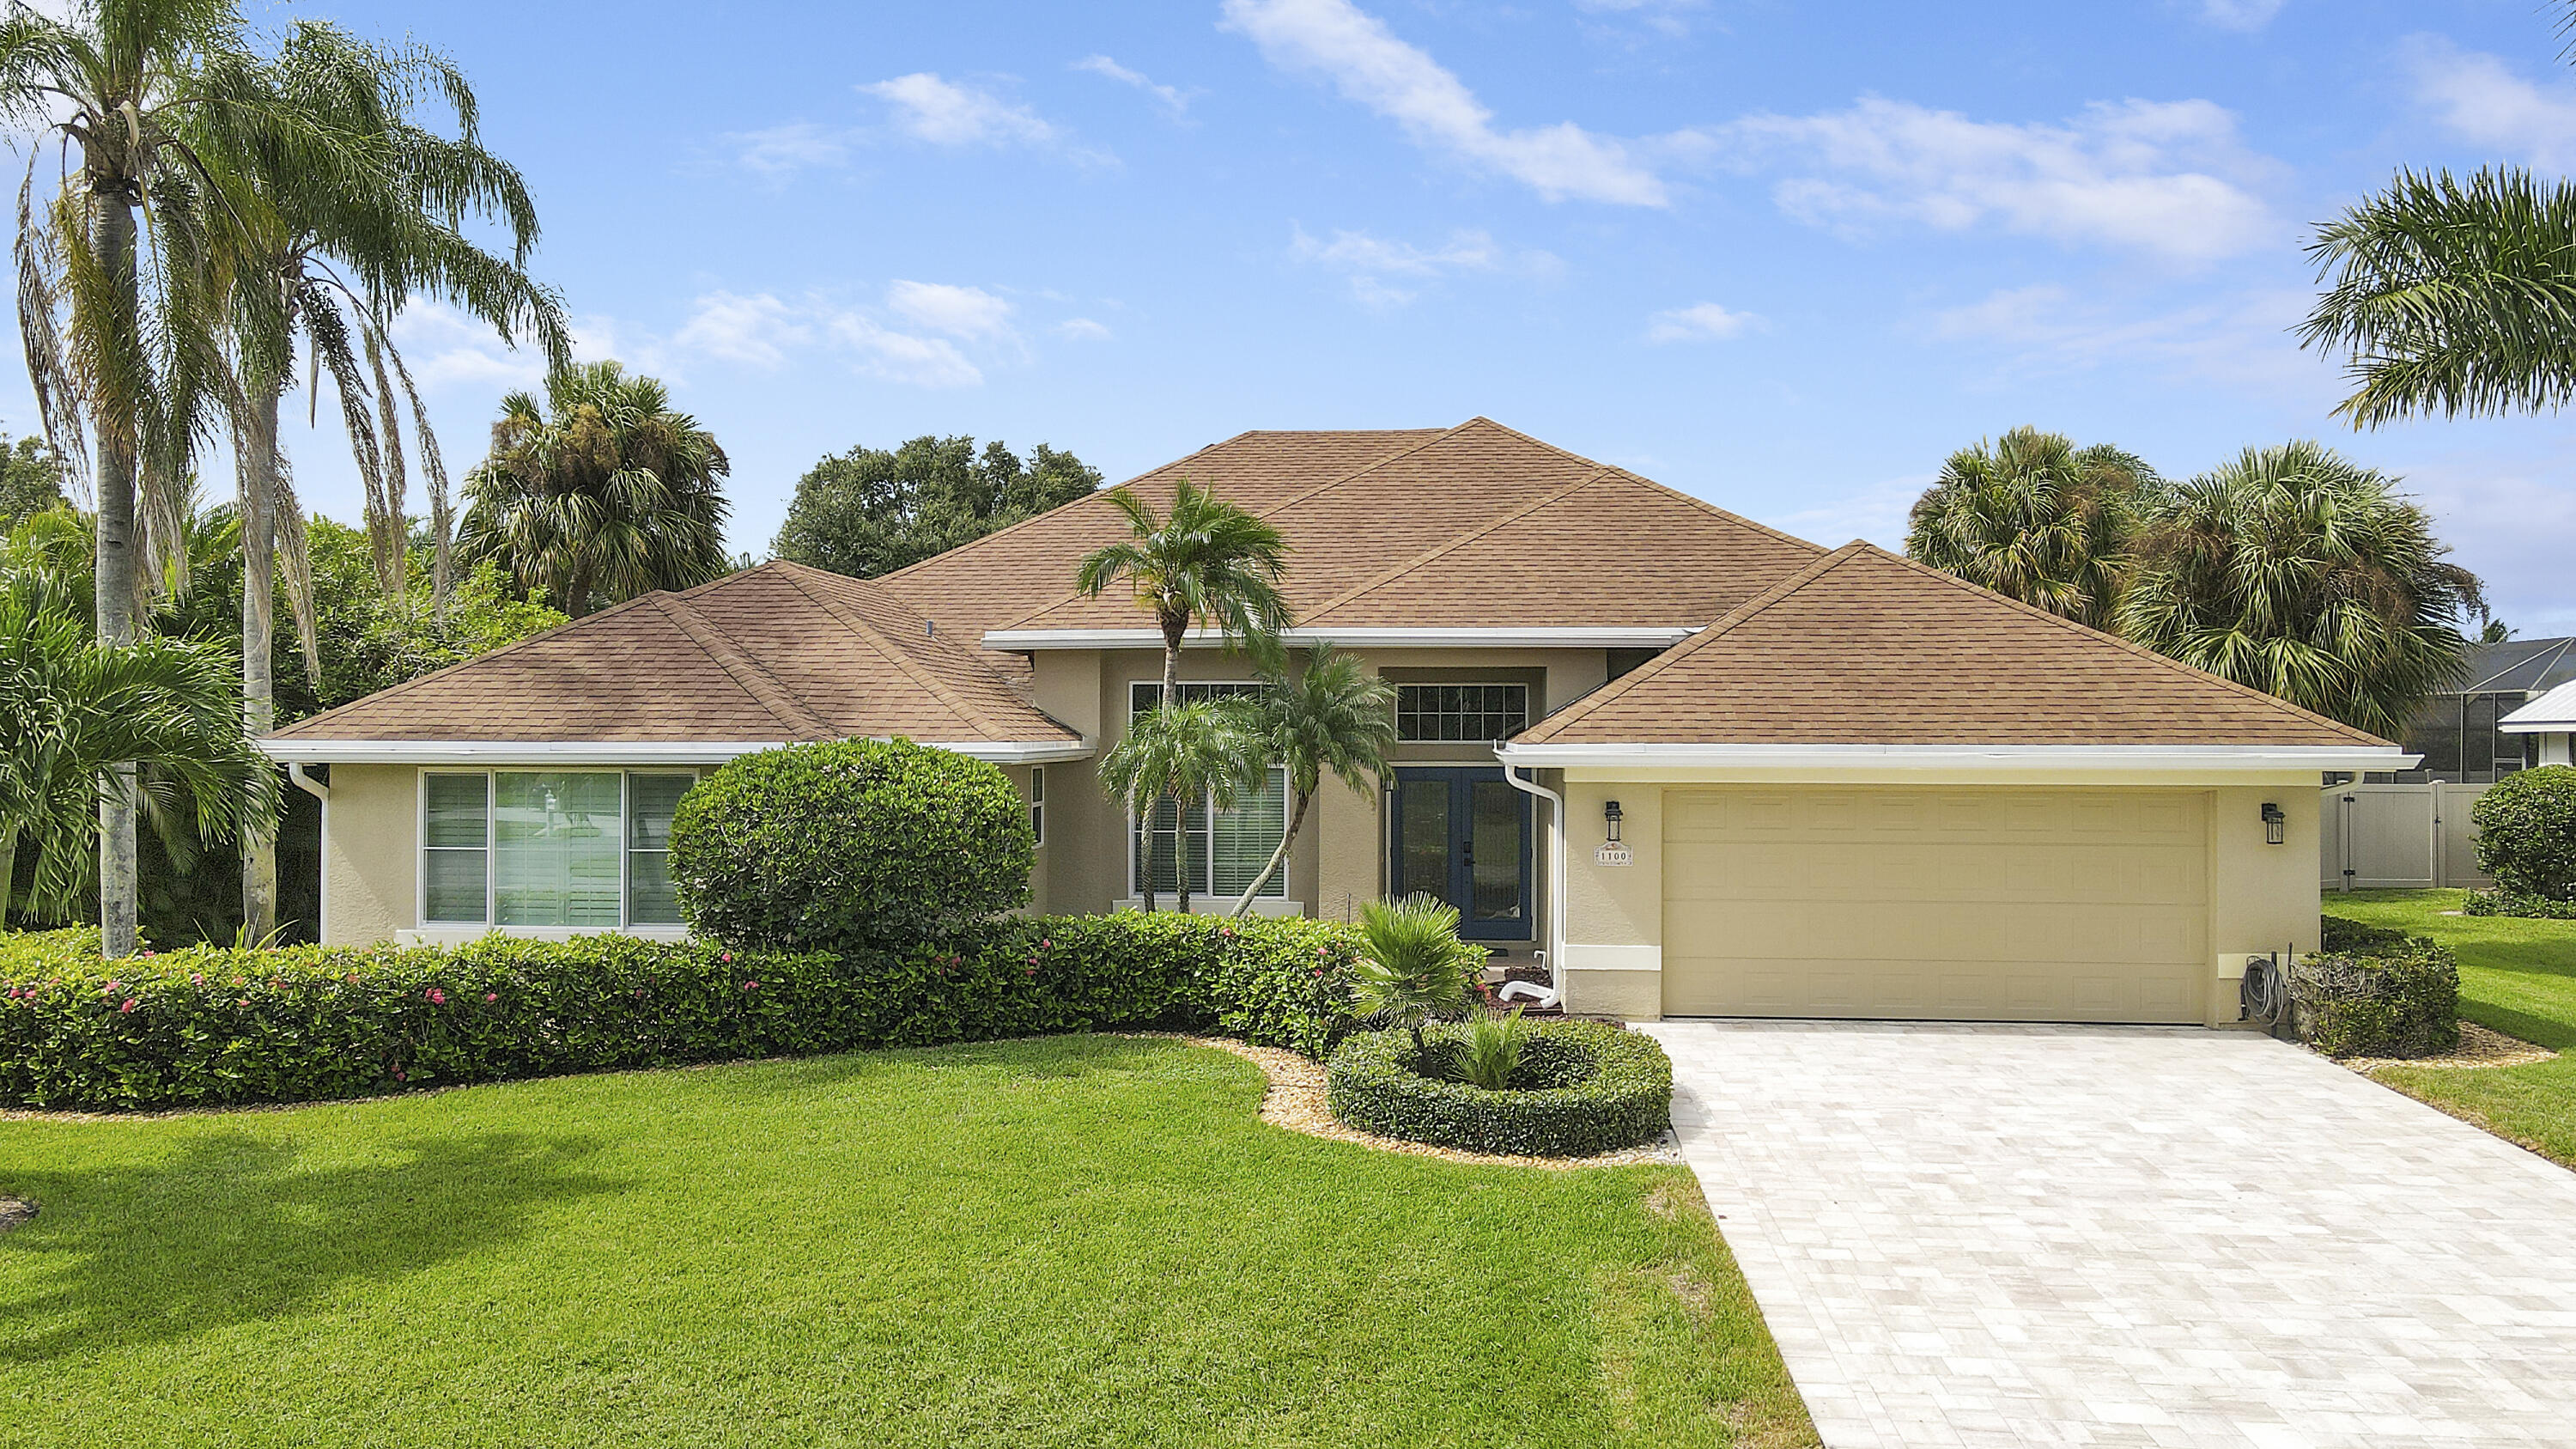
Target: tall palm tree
x: 71, y: 706
x: 329, y: 265
x: 2034, y: 518
x: 1336, y: 717
x: 119, y: 334
x: 602, y: 494
x: 2305, y: 576
x: 1208, y: 562
x: 1205, y: 750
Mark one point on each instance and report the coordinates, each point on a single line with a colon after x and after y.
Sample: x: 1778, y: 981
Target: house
x: 2547, y: 727
x: 2458, y: 733
x: 1700, y: 765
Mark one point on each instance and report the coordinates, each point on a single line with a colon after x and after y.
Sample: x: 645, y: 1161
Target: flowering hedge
x: 216, y: 1025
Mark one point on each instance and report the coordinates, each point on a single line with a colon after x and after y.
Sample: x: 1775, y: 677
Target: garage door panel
x: 2042, y: 905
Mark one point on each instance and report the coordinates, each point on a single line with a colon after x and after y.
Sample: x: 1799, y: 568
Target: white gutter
x: 2159, y: 759
x: 307, y: 784
x: 612, y: 752
x: 1584, y: 637
x: 1555, y: 883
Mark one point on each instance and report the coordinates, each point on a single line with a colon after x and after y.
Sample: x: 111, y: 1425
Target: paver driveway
x: 1971, y: 1235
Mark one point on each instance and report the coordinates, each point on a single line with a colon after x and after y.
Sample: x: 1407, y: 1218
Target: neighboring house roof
x: 2548, y: 714
x: 1863, y: 648
x: 770, y: 655
x: 2526, y: 666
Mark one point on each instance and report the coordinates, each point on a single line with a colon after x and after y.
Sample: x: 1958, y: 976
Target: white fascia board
x: 611, y: 752
x: 2547, y: 715
x: 2001, y: 759
x: 1578, y: 637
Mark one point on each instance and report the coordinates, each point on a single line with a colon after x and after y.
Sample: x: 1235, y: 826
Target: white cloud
x: 1101, y: 65
x: 1699, y: 322
x: 2511, y: 529
x: 2478, y: 98
x: 1370, y: 261
x: 1662, y: 15
x: 447, y: 350
x: 1434, y: 109
x: 945, y: 113
x: 2240, y: 14
x: 782, y: 150
x: 756, y: 330
x: 1083, y: 329
x: 901, y: 357
x: 2236, y: 340
x: 2164, y: 177
x: 1876, y: 513
x: 957, y: 311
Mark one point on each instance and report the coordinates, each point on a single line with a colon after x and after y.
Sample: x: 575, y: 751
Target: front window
x: 1468, y: 713
x: 585, y: 850
x: 1227, y: 846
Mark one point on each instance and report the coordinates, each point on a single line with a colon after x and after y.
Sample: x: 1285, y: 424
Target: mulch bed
x: 2479, y: 1047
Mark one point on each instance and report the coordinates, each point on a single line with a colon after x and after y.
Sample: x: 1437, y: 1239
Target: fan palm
x: 2034, y: 518
x: 1337, y: 717
x: 603, y: 493
x: 1205, y: 750
x: 120, y: 282
x: 1207, y: 562
x: 1412, y: 966
x: 2305, y: 576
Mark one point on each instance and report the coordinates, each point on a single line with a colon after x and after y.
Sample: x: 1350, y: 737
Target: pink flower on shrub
x: 196, y: 980
x: 1319, y: 951
x: 726, y: 958
x: 398, y: 1074
x: 436, y: 996
x: 751, y: 986
x: 128, y: 1006
x: 1046, y: 944
x: 151, y: 953
x: 491, y: 996
x: 1032, y: 970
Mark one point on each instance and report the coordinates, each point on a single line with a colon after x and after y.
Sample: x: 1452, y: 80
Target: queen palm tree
x: 1204, y: 750
x: 2035, y: 518
x: 1334, y: 717
x: 1207, y: 562
x: 601, y: 494
x: 2305, y: 576
x: 119, y: 334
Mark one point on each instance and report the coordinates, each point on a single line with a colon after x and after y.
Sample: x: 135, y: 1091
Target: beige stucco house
x: 1695, y: 765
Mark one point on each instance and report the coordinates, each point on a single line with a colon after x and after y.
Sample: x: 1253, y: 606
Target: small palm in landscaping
x: 1490, y: 1051
x: 1204, y: 750
x: 1336, y: 716
x: 1412, y: 967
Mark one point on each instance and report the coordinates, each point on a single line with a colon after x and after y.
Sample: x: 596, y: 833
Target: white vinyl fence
x: 2398, y: 836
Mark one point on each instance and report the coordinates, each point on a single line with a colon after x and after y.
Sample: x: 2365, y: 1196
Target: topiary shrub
x: 1579, y: 1088
x: 2527, y: 832
x: 2401, y: 1002
x: 853, y: 845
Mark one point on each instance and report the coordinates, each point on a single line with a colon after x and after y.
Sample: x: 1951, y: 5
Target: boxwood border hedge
x: 1612, y: 1088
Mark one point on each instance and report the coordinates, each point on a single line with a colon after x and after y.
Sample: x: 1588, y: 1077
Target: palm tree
x: 2034, y: 518
x: 1412, y: 966
x: 119, y: 334
x: 330, y: 265
x: 72, y: 706
x: 602, y: 494
x: 1205, y: 750
x: 1335, y: 716
x: 1209, y: 562
x: 2305, y: 576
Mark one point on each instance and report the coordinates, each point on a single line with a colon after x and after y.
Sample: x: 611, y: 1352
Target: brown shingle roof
x: 780, y: 652
x: 1865, y: 648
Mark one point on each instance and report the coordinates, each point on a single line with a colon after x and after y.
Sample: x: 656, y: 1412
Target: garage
x: 2025, y: 904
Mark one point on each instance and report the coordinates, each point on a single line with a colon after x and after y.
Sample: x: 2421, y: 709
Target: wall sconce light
x: 1610, y: 818
x: 2276, y: 824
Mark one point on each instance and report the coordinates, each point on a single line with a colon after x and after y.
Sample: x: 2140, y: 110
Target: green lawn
x: 1074, y: 1241
x: 2516, y: 976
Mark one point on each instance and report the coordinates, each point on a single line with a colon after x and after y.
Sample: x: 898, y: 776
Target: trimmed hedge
x: 1591, y: 1087
x: 2342, y: 936
x: 2500, y: 903
x: 212, y: 1025
x: 2527, y: 833
x: 2402, y: 1002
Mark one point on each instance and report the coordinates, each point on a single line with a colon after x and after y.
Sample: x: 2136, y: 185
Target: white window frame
x: 1204, y: 888
x: 1401, y: 739
x: 1037, y: 805
x: 428, y: 931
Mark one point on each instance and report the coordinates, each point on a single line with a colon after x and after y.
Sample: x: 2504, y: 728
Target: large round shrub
x: 2527, y: 832
x: 1582, y: 1087
x: 852, y: 845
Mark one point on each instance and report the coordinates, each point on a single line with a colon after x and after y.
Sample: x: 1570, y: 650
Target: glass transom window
x: 1467, y: 713
x: 581, y: 850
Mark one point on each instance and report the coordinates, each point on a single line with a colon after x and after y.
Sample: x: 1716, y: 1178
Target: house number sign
x: 1612, y: 855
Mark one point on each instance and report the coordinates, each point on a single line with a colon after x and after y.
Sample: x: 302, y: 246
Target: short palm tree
x: 71, y: 706
x: 2305, y: 576
x: 1412, y: 967
x: 2035, y: 518
x: 1206, y: 563
x: 602, y: 493
x: 1174, y: 757
x: 1334, y: 717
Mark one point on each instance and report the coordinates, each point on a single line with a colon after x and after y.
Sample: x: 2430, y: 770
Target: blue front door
x: 1462, y: 833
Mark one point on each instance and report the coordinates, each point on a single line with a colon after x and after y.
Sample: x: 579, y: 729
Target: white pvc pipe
x: 1555, y: 883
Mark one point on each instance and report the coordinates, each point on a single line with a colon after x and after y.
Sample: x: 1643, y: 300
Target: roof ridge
x: 1289, y: 501
x: 2140, y: 650
x: 1068, y: 503
x: 1692, y: 499
x: 1724, y: 625
x: 1460, y: 541
x: 900, y: 657
x: 739, y: 666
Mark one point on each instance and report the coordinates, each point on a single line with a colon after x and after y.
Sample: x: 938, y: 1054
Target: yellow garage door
x: 1929, y: 904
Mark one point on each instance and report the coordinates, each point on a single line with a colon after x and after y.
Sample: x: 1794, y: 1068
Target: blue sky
x: 1784, y: 256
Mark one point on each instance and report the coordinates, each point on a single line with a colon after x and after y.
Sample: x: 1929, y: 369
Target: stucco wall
x: 1614, y: 920
x: 2263, y: 898
x: 369, y: 853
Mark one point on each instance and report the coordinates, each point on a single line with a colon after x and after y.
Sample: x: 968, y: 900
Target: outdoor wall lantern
x: 2276, y: 824
x: 1610, y: 817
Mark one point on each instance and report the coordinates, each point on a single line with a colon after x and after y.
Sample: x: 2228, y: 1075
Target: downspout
x: 308, y: 784
x: 1555, y: 993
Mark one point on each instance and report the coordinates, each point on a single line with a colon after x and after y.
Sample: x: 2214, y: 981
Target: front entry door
x: 1463, y: 834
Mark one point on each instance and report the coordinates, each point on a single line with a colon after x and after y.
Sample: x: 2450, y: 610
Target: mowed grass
x: 2517, y: 976
x: 1072, y: 1241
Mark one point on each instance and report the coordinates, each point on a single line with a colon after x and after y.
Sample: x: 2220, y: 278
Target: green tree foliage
x: 1205, y: 750
x: 2035, y: 518
x: 31, y: 480
x: 2527, y: 833
x: 1206, y: 563
x: 869, y: 511
x: 1333, y: 718
x: 1412, y: 968
x: 600, y: 493
x: 2306, y: 576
